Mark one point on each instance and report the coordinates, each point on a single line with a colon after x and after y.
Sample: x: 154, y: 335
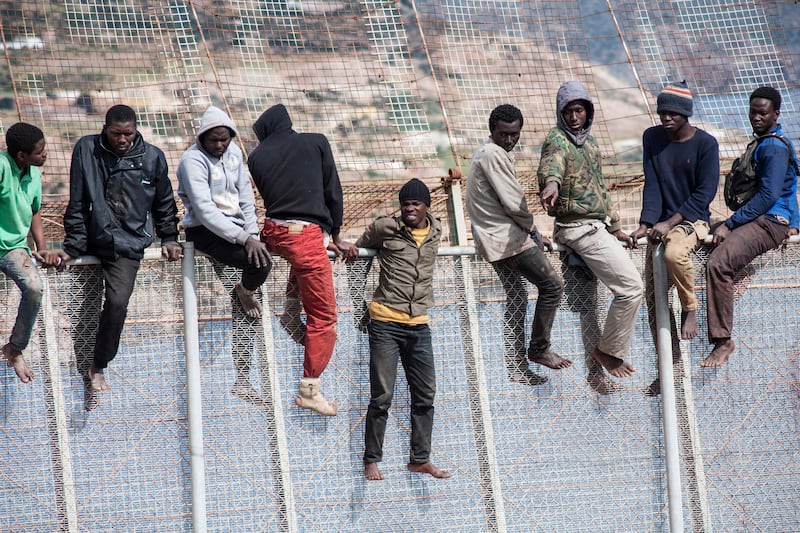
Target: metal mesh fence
x: 401, y: 88
x: 546, y: 457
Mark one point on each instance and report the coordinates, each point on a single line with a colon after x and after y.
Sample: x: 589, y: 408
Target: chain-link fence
x: 564, y: 455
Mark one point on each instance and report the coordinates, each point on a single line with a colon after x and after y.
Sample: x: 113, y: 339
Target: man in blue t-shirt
x: 760, y: 225
x: 20, y: 200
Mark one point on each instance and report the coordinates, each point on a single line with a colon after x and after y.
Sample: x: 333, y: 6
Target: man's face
x: 506, y: 134
x: 414, y: 213
x: 763, y: 115
x: 672, y: 122
x: 574, y: 115
x: 120, y: 136
x: 37, y: 157
x: 215, y: 141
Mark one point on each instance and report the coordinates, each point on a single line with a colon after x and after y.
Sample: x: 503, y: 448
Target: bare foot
x: 372, y: 472
x: 614, y: 365
x: 249, y: 300
x: 429, y: 468
x: 527, y: 377
x: 99, y: 382
x: 688, y: 325
x: 601, y: 383
x: 550, y: 359
x: 719, y: 355
x: 15, y: 360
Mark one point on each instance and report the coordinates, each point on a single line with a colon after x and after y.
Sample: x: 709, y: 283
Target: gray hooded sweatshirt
x: 217, y: 193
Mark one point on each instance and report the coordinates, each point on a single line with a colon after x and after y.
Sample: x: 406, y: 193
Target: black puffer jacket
x: 116, y: 202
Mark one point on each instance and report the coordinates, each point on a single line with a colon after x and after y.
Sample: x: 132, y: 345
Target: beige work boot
x: 249, y: 301
x: 311, y: 398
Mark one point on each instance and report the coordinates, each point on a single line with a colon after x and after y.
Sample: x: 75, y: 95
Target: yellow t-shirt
x: 382, y: 313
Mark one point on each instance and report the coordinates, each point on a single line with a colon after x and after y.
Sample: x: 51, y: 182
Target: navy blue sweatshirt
x: 679, y: 177
x: 295, y: 172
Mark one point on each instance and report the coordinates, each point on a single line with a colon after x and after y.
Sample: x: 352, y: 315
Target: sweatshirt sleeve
x: 334, y: 200
x: 247, y: 201
x: 651, y: 192
x: 193, y: 176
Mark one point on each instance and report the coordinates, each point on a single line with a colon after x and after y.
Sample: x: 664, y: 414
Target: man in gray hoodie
x: 574, y: 192
x: 220, y: 219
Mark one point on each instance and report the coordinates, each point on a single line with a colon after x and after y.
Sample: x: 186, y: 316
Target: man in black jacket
x: 119, y: 194
x: 296, y: 176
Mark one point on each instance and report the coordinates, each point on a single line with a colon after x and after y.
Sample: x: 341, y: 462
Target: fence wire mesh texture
x: 543, y: 457
x: 402, y: 88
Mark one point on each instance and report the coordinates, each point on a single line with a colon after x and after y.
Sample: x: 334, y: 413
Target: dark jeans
x: 229, y: 253
x: 119, y: 277
x: 744, y: 244
x: 533, y: 265
x: 388, y: 342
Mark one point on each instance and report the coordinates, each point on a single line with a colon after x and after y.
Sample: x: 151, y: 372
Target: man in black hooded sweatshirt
x: 296, y: 176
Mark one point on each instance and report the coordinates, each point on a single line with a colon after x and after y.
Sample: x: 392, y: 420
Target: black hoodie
x: 295, y: 172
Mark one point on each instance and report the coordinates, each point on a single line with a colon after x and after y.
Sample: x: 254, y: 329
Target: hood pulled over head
x: 273, y: 120
x: 213, y: 118
x: 569, y: 92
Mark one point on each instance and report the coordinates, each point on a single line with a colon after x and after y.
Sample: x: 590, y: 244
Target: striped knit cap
x: 676, y: 98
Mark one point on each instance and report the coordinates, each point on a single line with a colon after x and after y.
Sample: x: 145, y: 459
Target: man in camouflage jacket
x: 573, y: 191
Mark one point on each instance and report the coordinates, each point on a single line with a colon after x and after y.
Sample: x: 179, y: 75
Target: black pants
x: 389, y: 343
x: 229, y: 253
x: 119, y: 277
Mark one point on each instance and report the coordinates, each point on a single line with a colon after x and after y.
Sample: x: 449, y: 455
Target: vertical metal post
x: 669, y: 414
x: 478, y: 395
x: 194, y: 404
x: 63, y: 467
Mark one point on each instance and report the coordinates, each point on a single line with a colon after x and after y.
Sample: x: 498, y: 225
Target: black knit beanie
x: 415, y: 190
x: 675, y: 98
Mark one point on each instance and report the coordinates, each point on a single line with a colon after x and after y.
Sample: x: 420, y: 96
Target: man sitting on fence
x: 220, y: 219
x: 760, y: 225
x: 586, y: 221
x: 504, y: 232
x: 297, y: 178
x: 681, y: 176
x: 398, y: 326
x: 20, y: 200
x: 119, y: 192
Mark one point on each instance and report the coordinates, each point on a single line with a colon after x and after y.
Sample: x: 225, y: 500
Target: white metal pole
x: 194, y: 405
x: 669, y: 412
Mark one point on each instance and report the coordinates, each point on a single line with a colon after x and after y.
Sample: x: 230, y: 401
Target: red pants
x: 303, y: 247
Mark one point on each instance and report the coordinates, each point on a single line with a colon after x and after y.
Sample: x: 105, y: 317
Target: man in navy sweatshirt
x: 681, y: 176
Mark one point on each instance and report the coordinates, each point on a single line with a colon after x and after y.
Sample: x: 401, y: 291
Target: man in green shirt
x: 20, y: 200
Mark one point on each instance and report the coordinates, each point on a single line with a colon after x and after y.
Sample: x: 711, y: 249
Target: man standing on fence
x: 760, y: 225
x: 20, y: 200
x: 573, y: 191
x: 504, y: 234
x: 681, y: 176
x: 398, y: 326
x: 220, y: 218
x: 119, y: 192
x: 297, y: 178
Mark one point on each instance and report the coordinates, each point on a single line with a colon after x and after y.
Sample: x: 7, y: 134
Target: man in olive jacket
x: 398, y: 326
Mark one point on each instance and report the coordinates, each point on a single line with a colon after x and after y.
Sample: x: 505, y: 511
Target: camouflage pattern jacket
x: 577, y: 170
